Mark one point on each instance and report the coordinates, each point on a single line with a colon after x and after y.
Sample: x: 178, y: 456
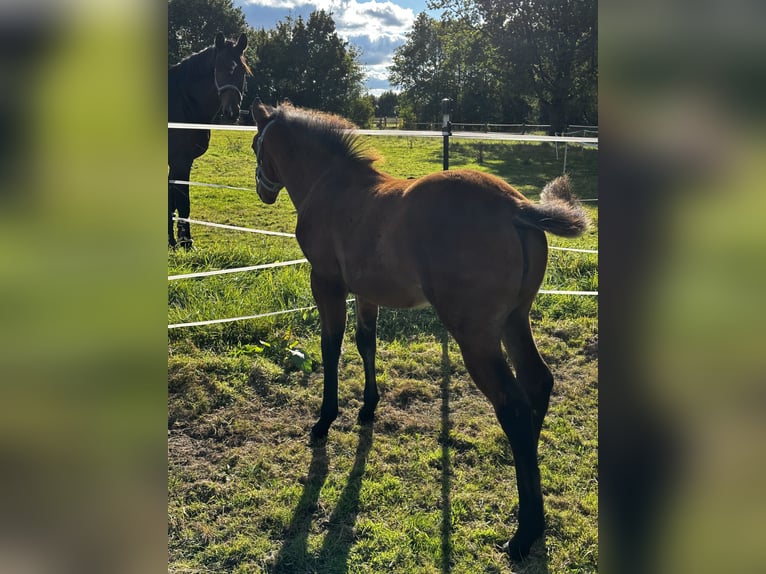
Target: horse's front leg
x: 330, y: 297
x: 366, y: 323
x: 180, y: 171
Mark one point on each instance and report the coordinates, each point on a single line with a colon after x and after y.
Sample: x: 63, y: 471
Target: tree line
x: 510, y: 61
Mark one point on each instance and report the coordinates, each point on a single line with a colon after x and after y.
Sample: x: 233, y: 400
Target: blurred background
x: 83, y: 292
x: 682, y: 407
x: 82, y: 286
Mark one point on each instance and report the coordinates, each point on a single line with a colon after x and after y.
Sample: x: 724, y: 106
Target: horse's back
x: 473, y: 258
x: 441, y: 238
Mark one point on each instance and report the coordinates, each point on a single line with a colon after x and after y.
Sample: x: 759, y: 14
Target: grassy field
x: 430, y: 487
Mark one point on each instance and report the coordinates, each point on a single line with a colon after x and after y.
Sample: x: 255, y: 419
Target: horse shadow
x: 338, y: 528
x: 294, y: 548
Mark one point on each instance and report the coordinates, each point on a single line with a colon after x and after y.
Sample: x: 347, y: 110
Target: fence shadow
x: 446, y: 531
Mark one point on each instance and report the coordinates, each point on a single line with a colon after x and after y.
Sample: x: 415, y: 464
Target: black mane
x: 198, y: 63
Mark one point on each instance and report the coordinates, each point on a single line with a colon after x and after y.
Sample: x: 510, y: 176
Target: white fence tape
x: 237, y: 269
x: 408, y: 133
x: 573, y: 249
x: 559, y: 292
x: 235, y: 227
x: 218, y: 185
x: 282, y: 234
x: 285, y: 312
x: 232, y: 319
x: 220, y: 127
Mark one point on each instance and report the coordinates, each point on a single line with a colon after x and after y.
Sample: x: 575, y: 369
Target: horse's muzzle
x: 230, y: 114
x: 267, y: 189
x: 267, y: 197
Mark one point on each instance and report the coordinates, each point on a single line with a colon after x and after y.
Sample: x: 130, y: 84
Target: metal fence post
x: 446, y: 131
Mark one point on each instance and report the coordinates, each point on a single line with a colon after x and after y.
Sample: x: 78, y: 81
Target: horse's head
x: 229, y: 73
x: 266, y: 183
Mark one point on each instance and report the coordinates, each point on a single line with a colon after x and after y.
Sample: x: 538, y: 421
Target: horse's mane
x: 326, y: 131
x: 196, y: 63
x: 200, y: 63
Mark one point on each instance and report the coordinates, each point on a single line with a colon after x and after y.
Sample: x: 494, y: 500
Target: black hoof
x: 319, y: 432
x: 519, y: 546
x: 366, y: 416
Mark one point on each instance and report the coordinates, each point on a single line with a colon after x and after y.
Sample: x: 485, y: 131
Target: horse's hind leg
x: 491, y: 373
x: 330, y: 297
x: 366, y: 322
x: 532, y: 372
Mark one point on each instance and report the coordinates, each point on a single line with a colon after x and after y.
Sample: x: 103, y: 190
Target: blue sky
x: 377, y: 27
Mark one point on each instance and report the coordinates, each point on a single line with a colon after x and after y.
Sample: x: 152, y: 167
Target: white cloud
x: 373, y: 19
x: 376, y: 27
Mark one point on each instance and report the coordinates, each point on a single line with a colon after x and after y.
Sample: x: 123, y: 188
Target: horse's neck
x: 320, y: 179
x: 193, y: 95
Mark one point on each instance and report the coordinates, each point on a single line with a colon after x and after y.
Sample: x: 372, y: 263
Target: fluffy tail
x: 558, y: 212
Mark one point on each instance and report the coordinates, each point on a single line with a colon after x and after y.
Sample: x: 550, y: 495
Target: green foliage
x: 193, y: 24
x: 407, y: 117
x: 283, y: 350
x: 511, y: 62
x: 306, y: 62
x: 552, y: 48
x: 419, y: 67
x: 362, y: 111
x: 387, y: 104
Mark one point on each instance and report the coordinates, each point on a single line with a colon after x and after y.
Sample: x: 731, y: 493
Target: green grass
x: 431, y: 487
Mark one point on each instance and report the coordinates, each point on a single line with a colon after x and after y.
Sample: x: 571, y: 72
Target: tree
x: 550, y: 48
x: 386, y: 104
x: 503, y: 61
x: 362, y: 111
x: 451, y: 58
x: 307, y: 63
x: 419, y: 67
x: 192, y: 25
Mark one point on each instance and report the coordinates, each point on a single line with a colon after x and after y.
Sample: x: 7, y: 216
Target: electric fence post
x: 446, y: 131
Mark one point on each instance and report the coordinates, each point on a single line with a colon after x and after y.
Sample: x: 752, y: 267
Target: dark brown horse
x: 463, y: 241
x: 201, y: 88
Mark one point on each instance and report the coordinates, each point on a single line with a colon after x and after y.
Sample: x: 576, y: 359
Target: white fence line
x: 407, y: 133
x: 237, y: 269
x: 287, y: 311
x: 217, y: 185
x: 283, y: 234
x: 234, y: 227
x: 232, y: 319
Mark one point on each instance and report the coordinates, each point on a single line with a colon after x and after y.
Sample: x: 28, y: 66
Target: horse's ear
x: 219, y: 40
x: 260, y: 111
x: 241, y: 43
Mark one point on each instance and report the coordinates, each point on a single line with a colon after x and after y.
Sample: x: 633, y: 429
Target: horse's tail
x: 559, y: 211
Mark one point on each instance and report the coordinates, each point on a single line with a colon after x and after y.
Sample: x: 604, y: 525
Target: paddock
x: 416, y: 493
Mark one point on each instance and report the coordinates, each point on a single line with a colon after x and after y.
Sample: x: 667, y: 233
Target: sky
x: 377, y: 27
